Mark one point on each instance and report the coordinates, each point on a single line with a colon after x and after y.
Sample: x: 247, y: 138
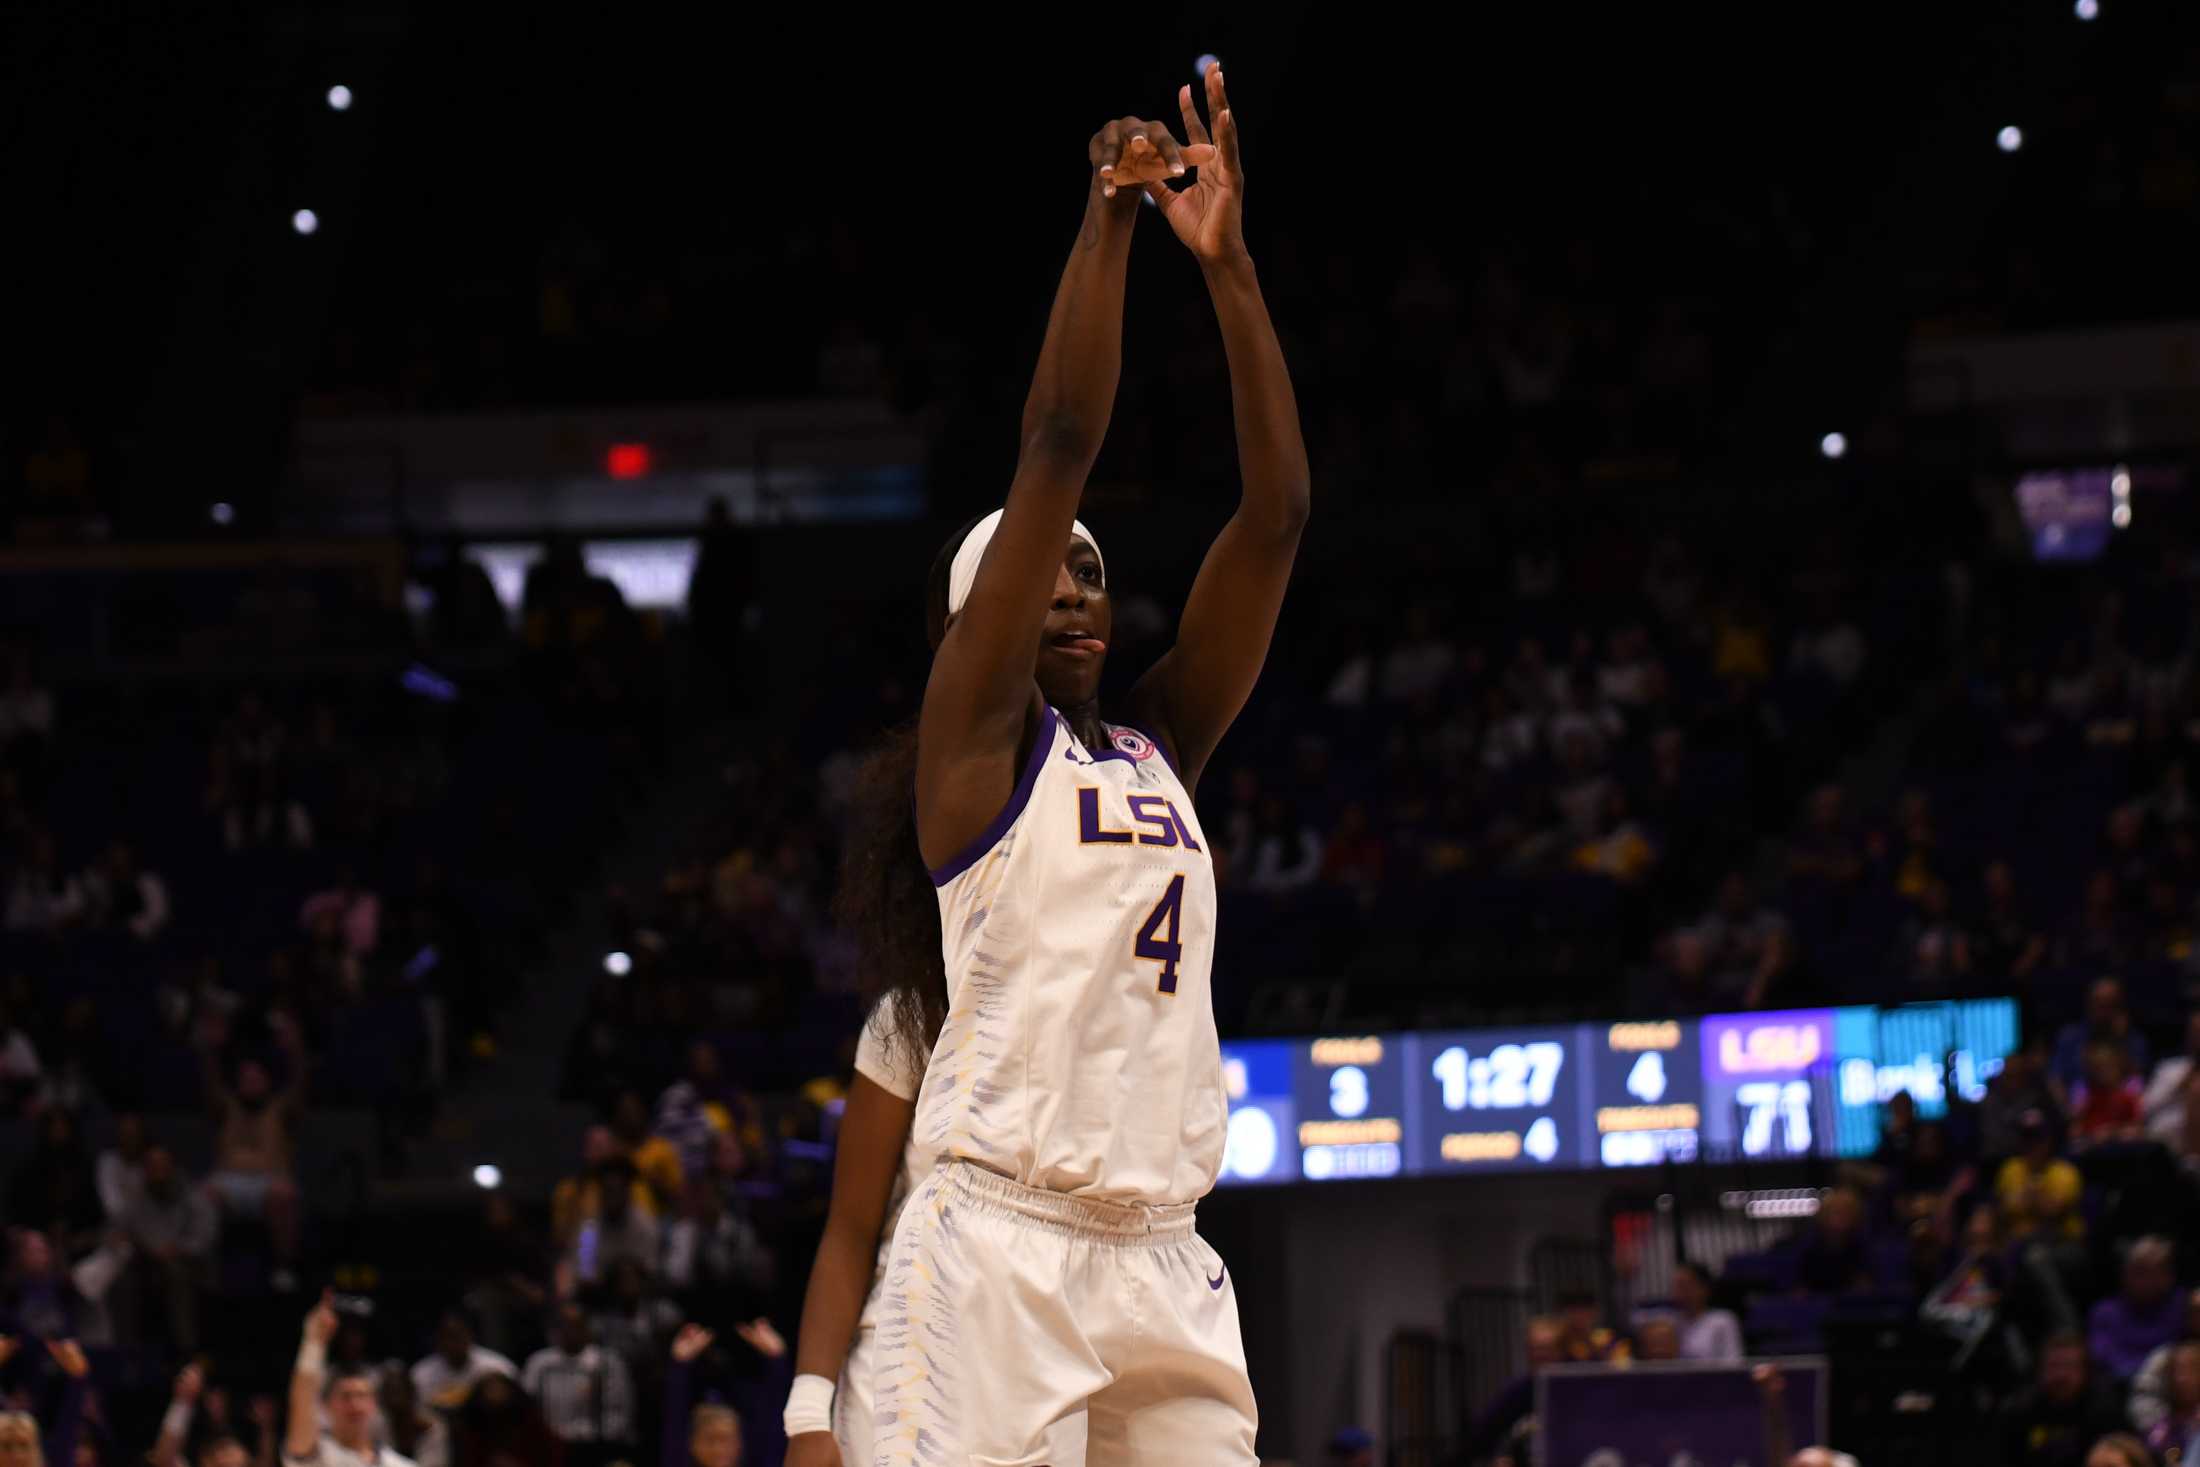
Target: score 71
x: 1786, y: 1101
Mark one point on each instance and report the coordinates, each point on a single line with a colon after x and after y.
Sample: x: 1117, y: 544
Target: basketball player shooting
x: 1045, y: 1299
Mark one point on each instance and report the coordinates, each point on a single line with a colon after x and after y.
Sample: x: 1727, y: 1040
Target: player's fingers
x: 1111, y: 153
x: 1195, y: 131
x: 1217, y: 99
x: 1159, y: 194
x: 1197, y: 154
x: 1168, y: 154
x: 1226, y: 138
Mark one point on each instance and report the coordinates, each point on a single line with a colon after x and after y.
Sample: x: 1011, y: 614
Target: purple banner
x: 1659, y: 1415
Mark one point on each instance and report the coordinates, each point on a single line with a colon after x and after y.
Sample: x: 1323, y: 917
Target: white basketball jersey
x: 1079, y: 1052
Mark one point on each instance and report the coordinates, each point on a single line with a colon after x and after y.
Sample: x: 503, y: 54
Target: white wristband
x: 312, y: 1357
x: 809, y: 1405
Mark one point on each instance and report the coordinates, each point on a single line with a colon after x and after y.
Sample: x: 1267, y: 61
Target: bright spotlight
x: 1199, y: 67
x: 2009, y: 139
x: 339, y: 98
x: 488, y: 1177
x: 618, y: 965
x: 2120, y: 516
x: 305, y: 221
x: 222, y: 513
x: 1833, y: 445
x: 2087, y: 9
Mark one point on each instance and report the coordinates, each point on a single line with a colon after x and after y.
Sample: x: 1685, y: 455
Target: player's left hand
x: 1210, y: 215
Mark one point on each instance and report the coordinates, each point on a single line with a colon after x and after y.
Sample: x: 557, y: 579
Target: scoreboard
x: 1587, y: 1096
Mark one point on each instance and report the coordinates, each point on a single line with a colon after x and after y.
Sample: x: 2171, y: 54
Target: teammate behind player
x: 1044, y: 1286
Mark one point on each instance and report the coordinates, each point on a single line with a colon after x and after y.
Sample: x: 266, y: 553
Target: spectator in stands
x: 349, y: 910
x: 2145, y: 1315
x: 171, y: 1227
x: 2108, y: 1021
x: 255, y: 1130
x: 1705, y: 1333
x: 55, y: 1189
x: 20, y: 1072
x: 409, y: 1424
x: 444, y: 1376
x: 1659, y: 1338
x: 2054, y: 1421
x: 1749, y: 944
x: 1354, y: 855
x: 2120, y: 1449
x: 507, y: 1275
x: 247, y: 788
x: 579, y: 1198
x: 2179, y: 1423
x: 1505, y: 1430
x: 709, y: 1435
x: 499, y: 1426
x: 2021, y: 1089
x: 64, y: 1436
x: 1835, y: 1257
x: 710, y: 1247
x: 2104, y: 1106
x: 620, y: 1232
x: 586, y: 1392
x: 2150, y: 1387
x: 120, y: 1170
x: 42, y: 898
x: 1584, y: 1335
x: 656, y: 1161
x: 38, y: 1297
x: 2039, y: 1192
x: 630, y: 1319
x: 1286, y: 853
x: 2167, y: 1099
x: 347, y: 1404
x: 2006, y: 944
x: 692, y: 1111
x: 120, y: 893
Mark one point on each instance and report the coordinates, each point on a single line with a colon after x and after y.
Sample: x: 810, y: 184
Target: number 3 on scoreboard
x: 1159, y: 940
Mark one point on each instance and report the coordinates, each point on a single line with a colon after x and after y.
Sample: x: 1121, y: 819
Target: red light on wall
x: 627, y: 460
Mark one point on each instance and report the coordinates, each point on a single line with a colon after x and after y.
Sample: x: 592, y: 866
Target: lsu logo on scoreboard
x: 1769, y: 1049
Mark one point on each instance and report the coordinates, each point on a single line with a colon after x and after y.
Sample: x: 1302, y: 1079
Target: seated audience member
x: 498, y: 1424
x: 120, y: 1170
x: 692, y: 1114
x: 120, y: 893
x: 1506, y: 1427
x: 409, y: 1425
x: 171, y: 1227
x: 2120, y: 1449
x: 2146, y: 1314
x: 2021, y: 1088
x: 1835, y: 1257
x: 2166, y: 1101
x: 446, y: 1376
x: 2039, y: 1192
x: 586, y: 1392
x: 1659, y: 1338
x: 2105, y: 1105
x: 620, y: 1232
x: 2150, y: 1387
x: 2107, y: 1021
x: 1964, y: 1302
x: 2171, y: 1435
x: 2055, y: 1420
x: 1584, y: 1336
x: 631, y: 1320
x: 1705, y: 1333
x: 709, y: 1247
x: 578, y: 1198
x: 710, y: 1435
x: 656, y: 1161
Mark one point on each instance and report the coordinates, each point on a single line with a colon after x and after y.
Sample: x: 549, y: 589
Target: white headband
x: 963, y: 574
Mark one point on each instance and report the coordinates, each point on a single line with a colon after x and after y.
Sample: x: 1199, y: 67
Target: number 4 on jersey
x: 1159, y: 940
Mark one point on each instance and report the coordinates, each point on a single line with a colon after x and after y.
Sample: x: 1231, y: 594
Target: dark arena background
x: 1710, y: 874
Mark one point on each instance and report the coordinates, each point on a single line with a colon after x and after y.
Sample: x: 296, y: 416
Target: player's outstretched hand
x: 1132, y: 153
x: 1210, y: 215
x: 813, y: 1449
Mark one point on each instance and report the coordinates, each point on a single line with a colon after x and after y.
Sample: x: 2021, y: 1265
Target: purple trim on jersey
x: 1042, y: 744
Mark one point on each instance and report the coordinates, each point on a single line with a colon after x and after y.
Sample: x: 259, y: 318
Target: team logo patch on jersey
x: 1134, y: 743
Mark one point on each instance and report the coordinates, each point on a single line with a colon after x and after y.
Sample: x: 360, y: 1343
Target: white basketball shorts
x: 1023, y: 1328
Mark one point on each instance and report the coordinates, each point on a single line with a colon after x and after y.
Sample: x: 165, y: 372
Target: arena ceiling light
x: 618, y: 965
x: 2009, y: 139
x: 488, y: 1176
x: 305, y: 221
x: 2087, y: 9
x: 339, y: 98
x: 1834, y: 445
x: 1204, y: 63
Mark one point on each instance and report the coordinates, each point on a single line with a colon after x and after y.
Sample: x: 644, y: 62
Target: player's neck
x: 1084, y: 720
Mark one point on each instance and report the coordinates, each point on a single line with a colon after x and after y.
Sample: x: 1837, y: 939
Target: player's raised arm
x: 981, y: 688
x: 1198, y: 687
